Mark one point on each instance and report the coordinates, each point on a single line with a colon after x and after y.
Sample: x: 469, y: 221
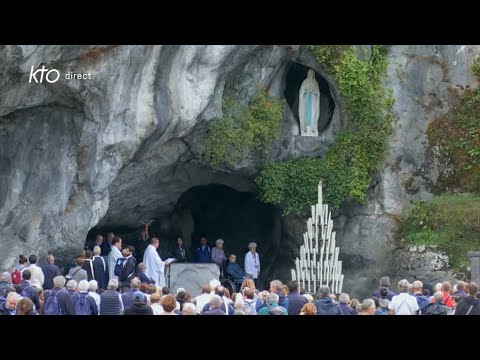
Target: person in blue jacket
x: 203, y: 252
x: 235, y: 271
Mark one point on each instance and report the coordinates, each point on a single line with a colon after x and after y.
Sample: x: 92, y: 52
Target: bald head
x: 155, y: 242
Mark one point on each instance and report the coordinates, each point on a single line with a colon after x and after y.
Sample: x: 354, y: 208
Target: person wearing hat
x: 218, y: 255
x: 139, y: 305
x: 252, y: 262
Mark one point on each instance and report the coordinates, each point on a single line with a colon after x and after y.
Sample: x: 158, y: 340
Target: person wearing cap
x: 139, y: 305
x: 5, y: 283
x: 252, y: 262
x: 218, y: 255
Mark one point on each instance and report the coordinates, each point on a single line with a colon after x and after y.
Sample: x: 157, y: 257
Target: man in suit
x: 28, y: 290
x: 88, y: 265
x: 100, y: 270
x: 50, y: 270
x: 128, y: 266
x: 107, y: 245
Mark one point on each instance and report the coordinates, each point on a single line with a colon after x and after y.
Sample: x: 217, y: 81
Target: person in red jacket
x: 447, y: 297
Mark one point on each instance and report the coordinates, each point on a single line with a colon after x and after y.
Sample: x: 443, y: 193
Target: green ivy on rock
x: 347, y: 166
x: 242, y: 130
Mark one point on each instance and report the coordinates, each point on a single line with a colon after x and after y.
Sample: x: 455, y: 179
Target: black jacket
x: 64, y: 301
x: 138, y: 308
x: 179, y: 255
x: 325, y: 306
x: 295, y: 303
x: 466, y: 303
x: 30, y: 292
x: 88, y: 266
x: 128, y: 271
x: 437, y: 308
x: 50, y: 271
x: 142, y: 277
x: 106, y: 247
x: 3, y: 309
x: 100, y: 269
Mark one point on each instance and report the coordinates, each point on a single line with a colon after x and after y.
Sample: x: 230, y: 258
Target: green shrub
x: 347, y: 166
x: 451, y: 222
x: 243, y: 129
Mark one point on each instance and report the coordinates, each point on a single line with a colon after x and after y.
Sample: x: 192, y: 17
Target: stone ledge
x: 473, y: 254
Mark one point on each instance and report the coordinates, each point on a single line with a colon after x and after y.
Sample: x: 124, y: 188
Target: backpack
x: 422, y: 303
x: 16, y: 277
x: 83, y: 307
x: 435, y: 310
x: 277, y: 310
x: 51, y: 305
x: 119, y: 266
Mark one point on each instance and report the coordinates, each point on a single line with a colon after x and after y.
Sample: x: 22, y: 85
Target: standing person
x: 58, y: 301
x: 403, y: 303
x: 384, y: 283
x: 77, y: 273
x: 422, y: 300
x: 139, y: 305
x: 325, y: 304
x: 154, y: 266
x: 110, y: 300
x: 100, y: 271
x: 469, y: 305
x: 128, y: 266
x: 460, y: 289
x: 180, y: 253
x: 107, y: 245
x: 252, y: 262
x: 37, y: 278
x: 18, y: 270
x: 98, y: 241
x: 295, y: 300
x: 344, y: 302
x: 437, y: 307
x: 218, y: 255
x: 202, y: 254
x: 50, y: 270
x: 9, y: 307
x: 5, y: 283
x: 83, y: 303
x: 28, y: 290
x: 115, y: 254
x: 92, y: 291
x: 88, y: 265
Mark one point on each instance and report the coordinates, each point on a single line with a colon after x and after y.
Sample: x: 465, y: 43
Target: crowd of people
x: 114, y: 284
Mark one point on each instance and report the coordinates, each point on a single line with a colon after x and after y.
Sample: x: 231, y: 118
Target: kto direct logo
x: 51, y: 75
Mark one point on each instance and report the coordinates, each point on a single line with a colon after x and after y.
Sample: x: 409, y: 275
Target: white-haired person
x: 61, y: 303
x: 9, y: 306
x: 92, y: 291
x: 218, y: 255
x: 83, y: 303
x: 189, y: 309
x: 252, y: 263
x: 111, y: 300
x: 239, y: 305
x: 100, y: 268
x: 72, y: 288
x: 403, y: 303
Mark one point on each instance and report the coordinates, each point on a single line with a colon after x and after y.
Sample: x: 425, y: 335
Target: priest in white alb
x: 154, y: 266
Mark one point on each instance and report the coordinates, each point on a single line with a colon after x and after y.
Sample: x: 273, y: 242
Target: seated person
x: 140, y: 273
x: 235, y: 271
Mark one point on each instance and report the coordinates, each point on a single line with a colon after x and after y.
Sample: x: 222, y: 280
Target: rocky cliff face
x: 102, y: 152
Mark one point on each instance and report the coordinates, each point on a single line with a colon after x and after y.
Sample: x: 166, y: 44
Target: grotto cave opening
x: 219, y: 212
x: 295, y: 75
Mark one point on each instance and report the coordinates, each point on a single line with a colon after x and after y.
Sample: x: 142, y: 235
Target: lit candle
x: 341, y: 283
x: 294, y: 278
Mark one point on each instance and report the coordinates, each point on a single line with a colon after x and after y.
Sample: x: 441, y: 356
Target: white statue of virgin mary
x: 309, y: 105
